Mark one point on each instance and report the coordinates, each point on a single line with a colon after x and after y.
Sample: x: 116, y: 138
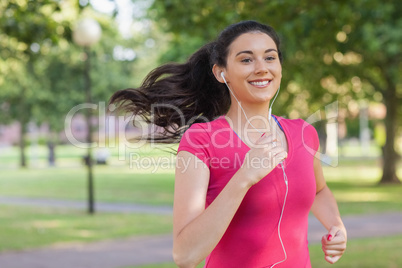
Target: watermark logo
x: 326, y: 124
x: 128, y: 133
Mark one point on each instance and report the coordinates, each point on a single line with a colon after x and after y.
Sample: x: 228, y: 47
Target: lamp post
x: 86, y: 33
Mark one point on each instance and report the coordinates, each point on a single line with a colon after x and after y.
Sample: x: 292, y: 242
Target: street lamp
x: 86, y: 33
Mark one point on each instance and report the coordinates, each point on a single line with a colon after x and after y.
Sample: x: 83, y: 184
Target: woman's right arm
x: 196, y: 230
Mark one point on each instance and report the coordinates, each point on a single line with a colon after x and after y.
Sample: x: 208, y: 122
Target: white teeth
x: 263, y: 83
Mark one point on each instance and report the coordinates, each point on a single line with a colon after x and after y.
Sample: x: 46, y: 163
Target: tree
x: 23, y: 49
x: 41, y: 74
x: 334, y: 50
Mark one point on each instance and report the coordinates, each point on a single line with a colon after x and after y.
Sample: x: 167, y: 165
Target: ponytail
x: 174, y: 96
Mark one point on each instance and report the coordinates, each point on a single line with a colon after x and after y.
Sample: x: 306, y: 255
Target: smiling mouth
x: 260, y: 83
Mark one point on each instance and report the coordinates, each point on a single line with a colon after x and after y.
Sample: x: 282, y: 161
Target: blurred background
x: 63, y: 153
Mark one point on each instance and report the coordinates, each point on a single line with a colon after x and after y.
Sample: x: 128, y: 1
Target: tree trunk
x: 390, y: 157
x: 23, y: 131
x: 51, y: 156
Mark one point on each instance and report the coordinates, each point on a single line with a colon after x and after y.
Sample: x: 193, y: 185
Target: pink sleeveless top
x: 252, y: 240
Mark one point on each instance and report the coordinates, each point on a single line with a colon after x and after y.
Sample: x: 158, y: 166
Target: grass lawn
x: 23, y: 227
x: 356, y: 189
x: 361, y: 253
x: 354, y: 184
x: 71, y: 156
x: 145, y: 175
x: 111, y: 184
x: 365, y: 253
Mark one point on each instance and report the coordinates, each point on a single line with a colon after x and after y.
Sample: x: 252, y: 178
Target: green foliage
x: 42, y: 70
x: 353, y: 127
x: 22, y: 18
x: 365, y: 33
x: 333, y: 51
x: 28, y: 30
x: 65, y: 76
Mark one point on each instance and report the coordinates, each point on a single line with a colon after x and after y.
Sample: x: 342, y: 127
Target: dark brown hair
x: 174, y: 96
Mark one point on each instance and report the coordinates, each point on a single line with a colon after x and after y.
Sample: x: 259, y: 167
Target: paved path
x: 82, y: 205
x: 157, y: 249
x: 104, y: 254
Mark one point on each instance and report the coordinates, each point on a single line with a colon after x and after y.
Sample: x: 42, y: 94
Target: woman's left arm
x: 325, y: 209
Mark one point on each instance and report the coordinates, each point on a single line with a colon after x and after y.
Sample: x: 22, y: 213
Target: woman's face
x: 253, y: 70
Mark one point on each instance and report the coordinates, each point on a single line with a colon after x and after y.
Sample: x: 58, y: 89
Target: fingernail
x: 329, y: 237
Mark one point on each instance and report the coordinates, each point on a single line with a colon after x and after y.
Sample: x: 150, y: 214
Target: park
x: 77, y: 176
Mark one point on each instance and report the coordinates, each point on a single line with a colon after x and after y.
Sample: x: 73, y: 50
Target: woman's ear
x: 218, y: 73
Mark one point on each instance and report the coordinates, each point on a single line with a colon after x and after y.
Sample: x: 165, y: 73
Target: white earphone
x: 223, y: 77
x: 281, y: 164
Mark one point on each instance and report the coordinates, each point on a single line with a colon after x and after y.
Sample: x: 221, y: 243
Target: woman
x: 244, y: 183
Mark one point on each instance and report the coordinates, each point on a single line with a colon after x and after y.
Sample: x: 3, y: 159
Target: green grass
x: 112, y: 184
x: 71, y: 156
x: 144, y: 175
x: 357, y: 198
x: 362, y: 253
x: 23, y: 228
x: 356, y: 189
x: 354, y: 184
x: 353, y: 149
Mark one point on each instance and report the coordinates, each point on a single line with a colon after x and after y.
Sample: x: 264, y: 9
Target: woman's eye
x: 247, y: 60
x: 271, y: 58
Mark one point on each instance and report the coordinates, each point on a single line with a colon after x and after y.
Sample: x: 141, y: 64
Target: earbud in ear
x: 223, y: 77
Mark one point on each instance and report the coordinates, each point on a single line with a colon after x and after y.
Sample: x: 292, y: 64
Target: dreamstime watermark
x: 117, y: 131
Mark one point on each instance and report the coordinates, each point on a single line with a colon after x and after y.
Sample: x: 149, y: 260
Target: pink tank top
x: 252, y: 240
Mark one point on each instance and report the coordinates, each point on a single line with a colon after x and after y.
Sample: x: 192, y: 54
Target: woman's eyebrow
x: 251, y: 52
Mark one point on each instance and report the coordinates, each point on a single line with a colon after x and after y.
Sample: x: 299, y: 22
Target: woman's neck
x: 250, y: 119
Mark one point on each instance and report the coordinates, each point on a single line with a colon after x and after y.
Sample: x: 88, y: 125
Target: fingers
x: 268, y: 139
x: 273, y: 147
x: 279, y: 156
x: 332, y: 233
x: 265, y: 138
x: 332, y: 260
x: 333, y: 254
x: 333, y: 244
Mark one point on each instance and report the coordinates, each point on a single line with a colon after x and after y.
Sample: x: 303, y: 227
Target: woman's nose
x: 261, y: 67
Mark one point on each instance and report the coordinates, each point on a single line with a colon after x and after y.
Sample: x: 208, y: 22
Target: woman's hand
x: 262, y: 158
x: 334, y: 244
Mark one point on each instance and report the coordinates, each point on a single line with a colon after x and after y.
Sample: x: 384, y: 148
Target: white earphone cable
x: 280, y: 218
x: 272, y: 103
x: 281, y: 164
x: 238, y: 102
